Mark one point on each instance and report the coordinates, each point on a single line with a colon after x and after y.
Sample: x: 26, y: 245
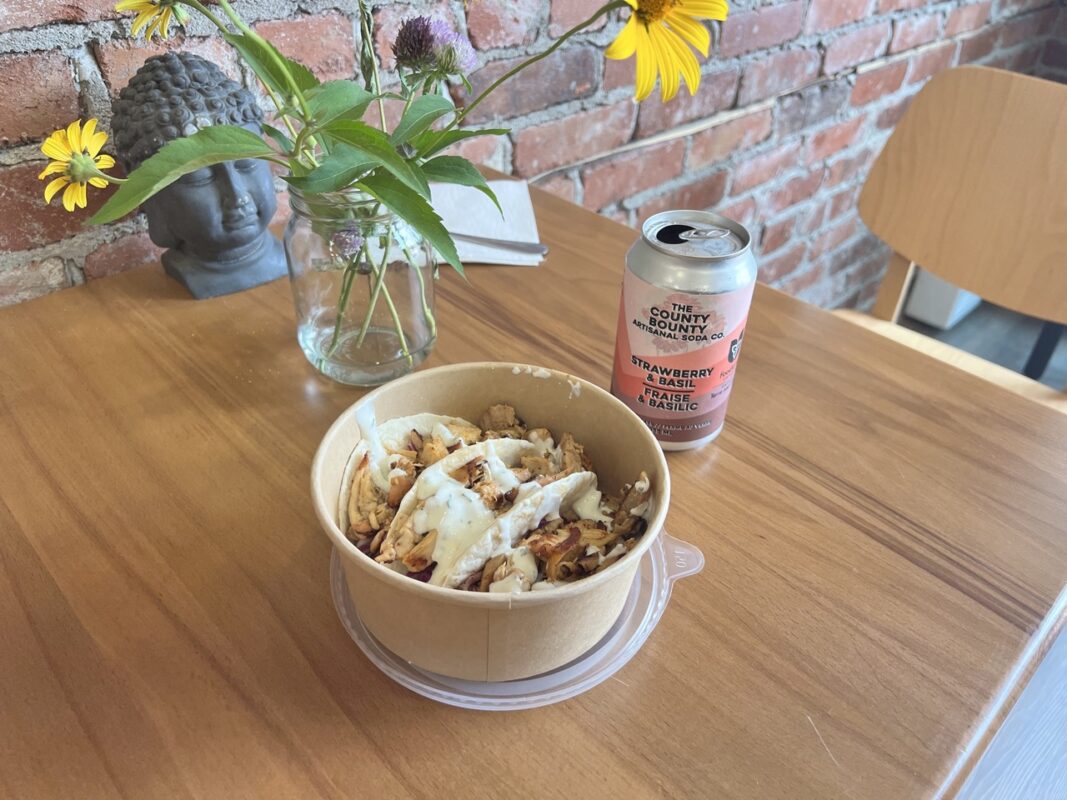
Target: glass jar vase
x: 362, y: 282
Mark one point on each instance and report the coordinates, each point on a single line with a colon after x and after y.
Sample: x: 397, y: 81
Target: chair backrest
x: 972, y: 186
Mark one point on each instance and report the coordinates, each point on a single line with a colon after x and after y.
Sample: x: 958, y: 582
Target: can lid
x: 695, y: 234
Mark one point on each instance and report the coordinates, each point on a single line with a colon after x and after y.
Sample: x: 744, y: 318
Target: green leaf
x: 420, y: 115
x: 453, y: 169
x: 372, y: 142
x: 430, y: 142
x: 338, y: 100
x: 282, y: 140
x: 264, y: 59
x: 342, y: 168
x: 180, y: 157
x: 414, y: 210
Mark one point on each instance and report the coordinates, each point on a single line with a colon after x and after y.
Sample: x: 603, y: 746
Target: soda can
x: 685, y: 298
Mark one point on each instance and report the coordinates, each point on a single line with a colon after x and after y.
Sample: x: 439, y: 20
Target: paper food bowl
x: 481, y: 636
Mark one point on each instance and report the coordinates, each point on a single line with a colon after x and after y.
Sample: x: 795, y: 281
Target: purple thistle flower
x: 414, y: 44
x: 453, y: 49
x: 432, y: 45
x: 346, y: 244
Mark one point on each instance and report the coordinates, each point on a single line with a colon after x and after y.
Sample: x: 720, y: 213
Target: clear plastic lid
x: 667, y: 560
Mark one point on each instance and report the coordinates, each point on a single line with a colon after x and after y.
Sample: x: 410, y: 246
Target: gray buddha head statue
x: 214, y: 220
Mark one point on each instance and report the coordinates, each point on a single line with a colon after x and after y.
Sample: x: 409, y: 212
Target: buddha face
x: 214, y: 213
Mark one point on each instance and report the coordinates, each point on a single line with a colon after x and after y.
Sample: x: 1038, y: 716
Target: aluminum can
x: 686, y: 293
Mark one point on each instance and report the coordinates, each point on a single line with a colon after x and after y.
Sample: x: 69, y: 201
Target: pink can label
x: 676, y: 354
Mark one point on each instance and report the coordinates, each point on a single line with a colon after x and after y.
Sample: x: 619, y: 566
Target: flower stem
x: 366, y: 26
x: 431, y: 321
x: 342, y: 302
x: 604, y: 9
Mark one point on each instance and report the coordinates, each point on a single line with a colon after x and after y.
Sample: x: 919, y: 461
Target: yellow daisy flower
x: 661, y: 32
x: 156, y: 14
x: 75, y: 154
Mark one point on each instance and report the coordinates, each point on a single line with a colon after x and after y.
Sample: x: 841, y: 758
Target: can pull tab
x: 701, y: 235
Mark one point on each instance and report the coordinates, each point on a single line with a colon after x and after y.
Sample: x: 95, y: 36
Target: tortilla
x: 439, y: 496
x: 532, y: 505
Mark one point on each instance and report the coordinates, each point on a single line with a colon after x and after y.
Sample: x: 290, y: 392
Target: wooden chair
x: 972, y: 186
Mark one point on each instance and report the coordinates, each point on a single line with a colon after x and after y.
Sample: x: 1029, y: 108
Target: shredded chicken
x: 400, y: 484
x: 488, y: 572
x: 421, y: 555
x: 433, y: 450
x: 500, y: 421
x: 469, y: 434
x: 367, y: 510
x: 626, y: 522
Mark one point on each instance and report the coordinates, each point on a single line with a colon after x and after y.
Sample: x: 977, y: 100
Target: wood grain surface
x: 883, y: 538
x: 969, y: 187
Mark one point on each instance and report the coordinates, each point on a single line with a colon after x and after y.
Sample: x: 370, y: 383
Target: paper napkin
x: 466, y: 210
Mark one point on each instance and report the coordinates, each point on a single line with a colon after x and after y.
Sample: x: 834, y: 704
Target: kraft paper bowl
x: 480, y: 636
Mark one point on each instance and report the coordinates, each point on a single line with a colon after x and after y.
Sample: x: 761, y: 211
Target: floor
x: 1001, y: 336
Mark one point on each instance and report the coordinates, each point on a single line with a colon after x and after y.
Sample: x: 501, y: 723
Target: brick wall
x: 798, y: 98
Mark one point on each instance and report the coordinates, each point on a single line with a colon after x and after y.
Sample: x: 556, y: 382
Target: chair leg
x: 1043, y: 350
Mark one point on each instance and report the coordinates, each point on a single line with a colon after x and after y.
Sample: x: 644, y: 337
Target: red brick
x: 811, y: 219
x: 322, y: 43
x: 764, y: 167
x: 743, y: 211
x: 885, y: 6
x: 842, y: 202
x: 701, y: 194
x: 565, y: 14
x: 812, y: 105
x: 32, y: 13
x: 912, y: 32
x: 619, y: 215
x: 796, y: 284
x: 777, y: 73
x: 573, y: 138
x: 479, y: 150
x: 1007, y: 8
x: 967, y: 18
x: 891, y: 115
x: 121, y: 255
x: 717, y: 143
x: 37, y: 94
x: 833, y: 139
x: 847, y: 168
x: 856, y: 47
x: 777, y: 235
x: 834, y: 236
x: 717, y: 92
x: 28, y: 223
x: 825, y: 15
x: 567, y: 74
x: 931, y: 61
x: 628, y: 174
x: 618, y: 73
x: 784, y: 263
x: 120, y: 59
x: 1024, y: 59
x: 793, y: 192
x: 979, y: 46
x: 761, y: 28
x: 27, y: 281
x: 1018, y: 30
x: 875, y: 84
x: 559, y: 185
x: 502, y: 23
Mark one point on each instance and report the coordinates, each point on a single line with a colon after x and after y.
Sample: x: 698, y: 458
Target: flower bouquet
x: 361, y: 242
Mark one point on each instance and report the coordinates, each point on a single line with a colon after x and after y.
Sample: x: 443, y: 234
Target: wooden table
x: 884, y: 538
